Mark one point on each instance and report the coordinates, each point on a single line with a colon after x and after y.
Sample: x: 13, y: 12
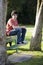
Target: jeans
x: 20, y: 32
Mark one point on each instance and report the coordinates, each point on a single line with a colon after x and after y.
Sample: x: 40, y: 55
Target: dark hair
x: 13, y: 12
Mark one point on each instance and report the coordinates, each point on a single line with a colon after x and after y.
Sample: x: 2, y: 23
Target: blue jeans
x: 20, y: 32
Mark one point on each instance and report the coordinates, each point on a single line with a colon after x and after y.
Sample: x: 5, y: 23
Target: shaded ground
x: 36, y: 59
x: 19, y: 57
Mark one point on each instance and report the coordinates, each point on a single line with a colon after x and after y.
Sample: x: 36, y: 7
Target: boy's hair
x: 13, y: 12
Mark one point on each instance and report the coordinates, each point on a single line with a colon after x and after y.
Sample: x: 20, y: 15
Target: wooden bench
x: 10, y: 39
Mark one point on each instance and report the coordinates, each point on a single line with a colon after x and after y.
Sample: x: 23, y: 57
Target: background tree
x: 25, y: 8
x: 38, y: 5
x: 37, y: 34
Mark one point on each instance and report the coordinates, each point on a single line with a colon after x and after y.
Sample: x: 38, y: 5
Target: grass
x: 34, y: 61
x: 37, y: 58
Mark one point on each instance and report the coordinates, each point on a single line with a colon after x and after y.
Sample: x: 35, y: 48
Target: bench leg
x: 10, y: 43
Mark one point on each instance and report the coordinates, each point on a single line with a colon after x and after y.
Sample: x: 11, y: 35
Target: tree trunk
x: 38, y: 5
x: 37, y: 33
x: 3, y: 55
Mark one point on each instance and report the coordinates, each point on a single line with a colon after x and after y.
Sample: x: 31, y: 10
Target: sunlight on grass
x: 42, y: 45
x: 10, y: 51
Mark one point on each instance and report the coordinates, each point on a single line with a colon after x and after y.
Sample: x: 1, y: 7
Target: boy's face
x: 14, y: 16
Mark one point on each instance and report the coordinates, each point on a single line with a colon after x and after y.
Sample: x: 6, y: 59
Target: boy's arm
x: 19, y: 26
x: 15, y: 26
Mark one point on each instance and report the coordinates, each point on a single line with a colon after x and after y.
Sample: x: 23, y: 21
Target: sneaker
x: 20, y: 43
x: 24, y: 42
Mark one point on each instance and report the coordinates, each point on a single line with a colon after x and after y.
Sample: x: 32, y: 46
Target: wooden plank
x: 11, y: 38
x: 14, y: 47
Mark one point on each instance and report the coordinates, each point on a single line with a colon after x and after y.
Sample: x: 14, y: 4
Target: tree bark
x: 38, y: 5
x: 37, y: 33
x: 3, y: 9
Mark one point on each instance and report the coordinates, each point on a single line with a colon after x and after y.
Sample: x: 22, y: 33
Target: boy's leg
x: 23, y: 34
x: 17, y: 32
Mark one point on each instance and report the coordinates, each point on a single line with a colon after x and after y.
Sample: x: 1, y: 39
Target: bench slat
x: 10, y: 38
x: 14, y: 47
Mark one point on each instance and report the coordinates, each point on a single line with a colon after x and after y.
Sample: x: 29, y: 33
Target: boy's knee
x: 19, y: 30
x: 24, y: 29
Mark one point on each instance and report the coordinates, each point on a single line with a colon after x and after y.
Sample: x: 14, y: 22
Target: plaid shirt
x: 10, y: 25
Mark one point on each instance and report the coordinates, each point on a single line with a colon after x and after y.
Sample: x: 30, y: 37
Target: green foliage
x: 25, y: 8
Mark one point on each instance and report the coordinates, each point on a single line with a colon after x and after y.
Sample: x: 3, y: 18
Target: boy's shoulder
x: 10, y: 19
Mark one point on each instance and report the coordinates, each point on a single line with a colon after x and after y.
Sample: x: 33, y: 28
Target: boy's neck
x: 14, y: 19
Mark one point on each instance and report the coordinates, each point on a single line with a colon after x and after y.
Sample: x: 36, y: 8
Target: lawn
x: 37, y: 58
